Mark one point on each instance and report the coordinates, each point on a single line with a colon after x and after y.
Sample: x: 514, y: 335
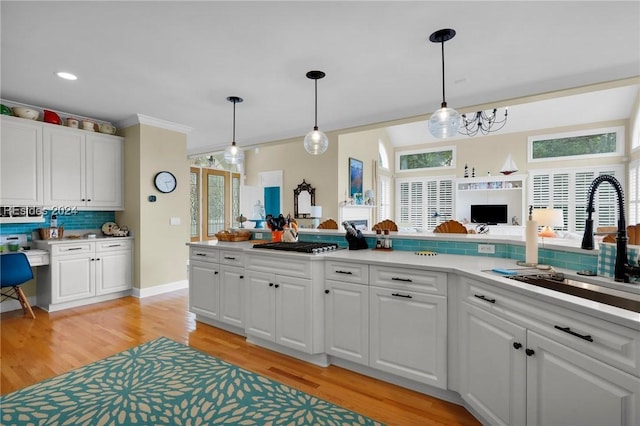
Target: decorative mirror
x: 304, y: 196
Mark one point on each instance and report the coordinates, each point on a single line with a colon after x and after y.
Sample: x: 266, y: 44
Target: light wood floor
x: 54, y: 343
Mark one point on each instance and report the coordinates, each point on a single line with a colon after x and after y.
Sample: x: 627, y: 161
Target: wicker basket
x: 233, y: 236
x: 45, y: 233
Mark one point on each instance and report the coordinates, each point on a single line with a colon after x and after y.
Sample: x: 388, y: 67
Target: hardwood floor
x: 54, y: 343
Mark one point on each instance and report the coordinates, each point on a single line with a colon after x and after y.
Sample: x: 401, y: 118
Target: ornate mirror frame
x: 303, y: 187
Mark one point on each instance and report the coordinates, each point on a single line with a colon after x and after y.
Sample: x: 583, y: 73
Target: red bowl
x: 51, y: 117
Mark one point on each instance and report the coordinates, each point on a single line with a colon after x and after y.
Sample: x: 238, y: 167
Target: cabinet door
x: 293, y: 312
x: 565, y: 387
x: 347, y: 321
x: 114, y: 272
x: 409, y: 335
x: 104, y: 156
x: 21, y: 164
x: 260, y: 318
x: 73, y: 278
x: 64, y: 168
x: 492, y: 366
x: 232, y: 295
x: 204, y: 289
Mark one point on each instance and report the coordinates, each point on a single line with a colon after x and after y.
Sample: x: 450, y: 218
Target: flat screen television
x: 491, y: 214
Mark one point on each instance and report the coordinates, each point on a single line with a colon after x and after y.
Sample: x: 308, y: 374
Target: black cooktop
x: 300, y: 247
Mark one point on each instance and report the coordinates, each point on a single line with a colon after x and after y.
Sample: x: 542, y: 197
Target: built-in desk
x: 36, y: 257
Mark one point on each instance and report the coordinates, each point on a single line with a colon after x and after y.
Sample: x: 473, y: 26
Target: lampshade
x: 548, y: 218
x: 316, y: 142
x: 233, y: 154
x: 316, y: 211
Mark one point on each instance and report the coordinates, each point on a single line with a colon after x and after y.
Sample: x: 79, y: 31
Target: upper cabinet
x: 82, y: 169
x: 50, y: 165
x: 21, y: 163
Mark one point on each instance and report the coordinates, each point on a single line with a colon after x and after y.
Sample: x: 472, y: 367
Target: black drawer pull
x: 406, y: 296
x: 406, y: 280
x: 344, y: 272
x: 230, y: 258
x: 586, y: 337
x: 486, y: 299
x: 74, y: 248
x: 201, y: 254
x: 113, y: 245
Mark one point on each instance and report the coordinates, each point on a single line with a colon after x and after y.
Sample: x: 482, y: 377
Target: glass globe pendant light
x: 316, y: 142
x: 444, y: 123
x: 233, y: 154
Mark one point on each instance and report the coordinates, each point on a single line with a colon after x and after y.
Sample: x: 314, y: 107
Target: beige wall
x: 160, y: 248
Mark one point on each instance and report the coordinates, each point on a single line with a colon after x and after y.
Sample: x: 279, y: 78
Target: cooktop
x: 300, y: 247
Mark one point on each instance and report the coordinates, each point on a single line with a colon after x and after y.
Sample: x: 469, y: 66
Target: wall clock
x: 165, y: 182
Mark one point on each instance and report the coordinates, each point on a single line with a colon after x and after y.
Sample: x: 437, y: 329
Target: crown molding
x: 155, y: 122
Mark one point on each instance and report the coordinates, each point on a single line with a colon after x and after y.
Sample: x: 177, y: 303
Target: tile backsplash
x: 80, y: 220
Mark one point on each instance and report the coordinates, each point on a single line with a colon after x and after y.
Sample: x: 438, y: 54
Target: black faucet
x: 622, y: 268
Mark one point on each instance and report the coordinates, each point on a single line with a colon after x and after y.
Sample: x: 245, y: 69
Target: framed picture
x: 355, y: 177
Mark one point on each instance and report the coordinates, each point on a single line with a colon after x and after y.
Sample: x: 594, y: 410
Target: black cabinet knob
x: 517, y: 345
x: 529, y: 352
x: 215, y: 272
x: 241, y: 276
x: 277, y: 285
x: 326, y: 292
x: 270, y: 284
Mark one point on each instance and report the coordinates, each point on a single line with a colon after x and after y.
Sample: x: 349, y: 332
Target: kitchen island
x: 445, y: 325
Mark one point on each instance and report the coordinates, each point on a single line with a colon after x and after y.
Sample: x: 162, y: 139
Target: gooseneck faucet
x: 622, y: 268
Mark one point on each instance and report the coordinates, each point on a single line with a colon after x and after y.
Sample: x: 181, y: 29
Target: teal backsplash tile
x: 81, y: 220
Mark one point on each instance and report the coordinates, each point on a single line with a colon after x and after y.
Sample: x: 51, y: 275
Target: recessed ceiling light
x: 66, y: 75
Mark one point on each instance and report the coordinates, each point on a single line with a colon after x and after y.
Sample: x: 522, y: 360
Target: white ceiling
x: 179, y: 60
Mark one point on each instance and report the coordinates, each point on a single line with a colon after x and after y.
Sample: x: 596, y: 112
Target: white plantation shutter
x: 568, y: 190
x: 384, y: 197
x: 425, y: 202
x: 632, y: 193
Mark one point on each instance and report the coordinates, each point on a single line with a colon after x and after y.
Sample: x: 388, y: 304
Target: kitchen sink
x: 607, y: 296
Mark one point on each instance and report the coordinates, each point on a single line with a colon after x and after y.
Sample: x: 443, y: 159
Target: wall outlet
x: 258, y: 235
x: 486, y: 248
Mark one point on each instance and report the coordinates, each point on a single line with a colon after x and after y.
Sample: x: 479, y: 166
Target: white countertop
x: 66, y: 240
x: 476, y: 267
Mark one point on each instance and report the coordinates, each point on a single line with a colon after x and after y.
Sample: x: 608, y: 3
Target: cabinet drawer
x: 409, y: 279
x: 204, y: 254
x: 357, y: 273
x: 69, y: 249
x: 113, y: 245
x: 281, y: 265
x: 232, y: 257
x: 611, y: 343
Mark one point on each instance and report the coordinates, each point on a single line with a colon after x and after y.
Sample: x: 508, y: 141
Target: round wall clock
x: 165, y: 182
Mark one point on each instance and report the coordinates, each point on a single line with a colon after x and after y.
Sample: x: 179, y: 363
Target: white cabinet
x: 82, y: 169
x: 284, y: 301
x: 217, y: 286
x: 84, y: 272
x: 408, y: 324
x: 523, y: 362
x: 20, y: 163
x: 347, y: 311
x: 507, y: 190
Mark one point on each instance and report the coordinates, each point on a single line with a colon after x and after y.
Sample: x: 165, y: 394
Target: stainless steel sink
x: 608, y: 296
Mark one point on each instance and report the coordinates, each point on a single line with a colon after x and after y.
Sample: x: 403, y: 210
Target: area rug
x: 165, y: 382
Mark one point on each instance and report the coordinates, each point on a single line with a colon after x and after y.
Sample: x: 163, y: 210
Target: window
x: 568, y: 190
x: 424, y: 203
x: 596, y: 143
x: 632, y: 193
x: 384, y: 197
x: 195, y: 203
x: 440, y: 158
x: 383, y: 157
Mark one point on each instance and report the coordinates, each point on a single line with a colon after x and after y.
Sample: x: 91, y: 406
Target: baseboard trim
x: 159, y: 289
x: 13, y: 305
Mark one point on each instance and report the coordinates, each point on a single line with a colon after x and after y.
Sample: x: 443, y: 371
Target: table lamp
x: 548, y: 218
x: 316, y: 214
x: 368, y: 195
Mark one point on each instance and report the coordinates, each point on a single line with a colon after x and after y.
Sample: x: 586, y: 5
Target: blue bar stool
x: 14, y: 271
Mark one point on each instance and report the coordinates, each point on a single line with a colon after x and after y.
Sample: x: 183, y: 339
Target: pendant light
x: 233, y: 154
x: 444, y: 123
x: 316, y: 142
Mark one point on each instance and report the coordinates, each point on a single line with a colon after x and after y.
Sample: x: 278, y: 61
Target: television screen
x: 491, y: 214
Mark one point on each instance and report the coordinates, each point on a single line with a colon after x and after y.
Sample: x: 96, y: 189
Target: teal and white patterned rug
x: 165, y: 382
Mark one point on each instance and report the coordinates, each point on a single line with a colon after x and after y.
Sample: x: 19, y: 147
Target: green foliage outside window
x: 425, y: 160
x: 604, y: 143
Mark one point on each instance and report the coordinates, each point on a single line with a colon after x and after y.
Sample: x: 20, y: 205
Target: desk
x: 36, y: 257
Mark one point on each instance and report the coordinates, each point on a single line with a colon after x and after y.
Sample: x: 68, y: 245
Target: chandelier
x: 482, y: 122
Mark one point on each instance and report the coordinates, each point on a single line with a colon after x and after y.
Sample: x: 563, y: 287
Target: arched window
x: 383, y: 157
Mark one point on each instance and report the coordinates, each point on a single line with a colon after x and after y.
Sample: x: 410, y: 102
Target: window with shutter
x: 384, y: 197
x: 424, y: 203
x: 632, y: 193
x: 568, y: 190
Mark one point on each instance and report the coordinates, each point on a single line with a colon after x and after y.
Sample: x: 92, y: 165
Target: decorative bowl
x: 106, y: 128
x: 5, y: 110
x: 24, y: 112
x: 51, y: 117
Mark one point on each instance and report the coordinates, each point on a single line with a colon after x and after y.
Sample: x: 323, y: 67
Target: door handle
x: 586, y: 337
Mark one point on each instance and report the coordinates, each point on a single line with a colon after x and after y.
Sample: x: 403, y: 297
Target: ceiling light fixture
x: 444, y: 123
x: 316, y: 142
x: 66, y: 75
x: 233, y: 154
x: 483, y: 122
